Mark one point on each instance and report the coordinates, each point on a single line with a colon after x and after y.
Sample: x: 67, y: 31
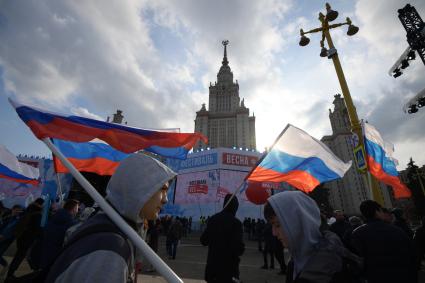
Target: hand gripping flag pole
x: 151, y: 256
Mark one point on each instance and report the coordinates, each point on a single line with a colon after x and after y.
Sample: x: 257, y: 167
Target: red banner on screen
x: 239, y: 159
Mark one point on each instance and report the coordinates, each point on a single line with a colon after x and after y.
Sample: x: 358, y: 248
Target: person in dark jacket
x: 27, y: 231
x: 387, y: 250
x: 340, y: 225
x: 223, y: 236
x: 316, y: 256
x: 6, y: 231
x: 419, y: 240
x: 400, y: 222
x: 355, y: 222
x: 268, y: 246
x: 54, y: 233
x: 174, y: 235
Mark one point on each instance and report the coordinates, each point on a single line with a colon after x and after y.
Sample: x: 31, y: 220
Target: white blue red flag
x: 95, y: 156
x: 380, y: 161
x: 12, y: 169
x: 45, y: 124
x: 299, y: 160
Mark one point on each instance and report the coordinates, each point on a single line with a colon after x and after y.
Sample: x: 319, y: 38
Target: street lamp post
x: 332, y: 53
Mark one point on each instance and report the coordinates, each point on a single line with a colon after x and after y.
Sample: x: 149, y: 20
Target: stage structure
x: 205, y: 177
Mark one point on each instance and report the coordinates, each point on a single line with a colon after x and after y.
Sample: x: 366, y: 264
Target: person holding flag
x: 224, y: 238
x: 149, y: 175
x: 98, y: 249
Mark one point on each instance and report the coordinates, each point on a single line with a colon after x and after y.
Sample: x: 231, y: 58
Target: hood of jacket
x: 134, y: 182
x: 233, y: 206
x: 299, y: 218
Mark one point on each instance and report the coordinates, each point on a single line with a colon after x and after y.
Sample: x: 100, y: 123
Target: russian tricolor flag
x: 299, y: 160
x: 12, y: 169
x: 380, y: 161
x: 95, y: 156
x: 45, y: 124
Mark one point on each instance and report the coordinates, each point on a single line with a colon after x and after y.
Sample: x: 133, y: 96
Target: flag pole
x: 258, y: 162
x: 369, y: 179
x: 151, y: 256
x: 59, y: 189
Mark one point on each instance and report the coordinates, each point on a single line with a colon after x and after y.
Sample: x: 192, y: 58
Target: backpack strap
x: 98, y: 224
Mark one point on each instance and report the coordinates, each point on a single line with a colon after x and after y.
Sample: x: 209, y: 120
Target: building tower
x: 226, y: 123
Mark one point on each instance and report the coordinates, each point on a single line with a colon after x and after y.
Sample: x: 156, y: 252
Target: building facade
x: 347, y: 193
x: 227, y: 122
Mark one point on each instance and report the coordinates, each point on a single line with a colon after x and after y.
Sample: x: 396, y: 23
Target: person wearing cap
x: 137, y: 191
x: 316, y: 256
x: 223, y: 236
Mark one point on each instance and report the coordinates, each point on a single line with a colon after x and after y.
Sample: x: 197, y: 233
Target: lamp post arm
x: 336, y: 25
x: 312, y: 31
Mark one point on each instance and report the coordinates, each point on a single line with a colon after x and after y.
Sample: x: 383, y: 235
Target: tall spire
x: 225, y: 62
x: 225, y: 74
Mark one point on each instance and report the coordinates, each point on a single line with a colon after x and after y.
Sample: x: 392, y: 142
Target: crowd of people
x: 378, y: 246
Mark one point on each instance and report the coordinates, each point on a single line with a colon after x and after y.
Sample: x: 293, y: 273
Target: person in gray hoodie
x: 316, y: 256
x: 98, y: 251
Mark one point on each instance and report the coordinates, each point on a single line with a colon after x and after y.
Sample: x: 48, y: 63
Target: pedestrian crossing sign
x: 360, y: 158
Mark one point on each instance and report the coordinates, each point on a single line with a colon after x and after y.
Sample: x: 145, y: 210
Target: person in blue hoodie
x: 54, y: 232
x: 316, y: 256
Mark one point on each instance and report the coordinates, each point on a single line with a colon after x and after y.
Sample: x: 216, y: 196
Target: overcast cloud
x: 155, y: 59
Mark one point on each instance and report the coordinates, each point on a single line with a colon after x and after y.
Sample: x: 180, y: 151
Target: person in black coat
x: 223, y: 236
x: 400, y: 222
x: 340, y: 226
x: 355, y: 222
x: 387, y: 251
x: 54, y: 233
x: 268, y: 246
x: 419, y: 240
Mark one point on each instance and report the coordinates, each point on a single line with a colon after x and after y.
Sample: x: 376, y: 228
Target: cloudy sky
x: 155, y: 59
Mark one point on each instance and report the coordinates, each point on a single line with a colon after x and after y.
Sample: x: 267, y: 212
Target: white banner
x: 197, y: 187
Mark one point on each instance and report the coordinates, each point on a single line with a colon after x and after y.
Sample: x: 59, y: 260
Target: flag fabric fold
x: 380, y: 161
x: 299, y: 160
x: 46, y: 124
x: 95, y: 156
x: 12, y: 169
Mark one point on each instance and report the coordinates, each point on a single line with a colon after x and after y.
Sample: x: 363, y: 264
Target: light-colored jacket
x: 103, y: 257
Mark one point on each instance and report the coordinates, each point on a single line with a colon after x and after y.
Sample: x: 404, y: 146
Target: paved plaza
x: 191, y: 260
x: 190, y: 263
